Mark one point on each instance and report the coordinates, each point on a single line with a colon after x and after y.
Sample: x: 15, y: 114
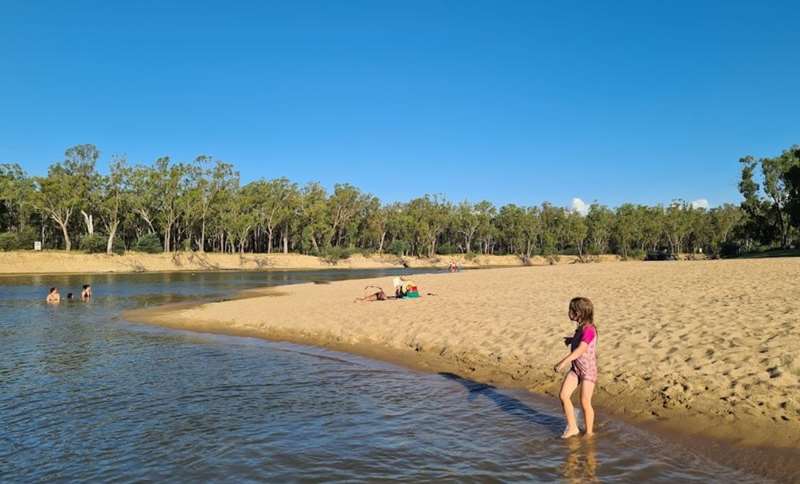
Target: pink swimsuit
x: 585, y: 367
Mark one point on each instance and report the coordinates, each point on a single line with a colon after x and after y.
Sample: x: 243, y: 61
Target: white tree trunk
x: 89, y: 222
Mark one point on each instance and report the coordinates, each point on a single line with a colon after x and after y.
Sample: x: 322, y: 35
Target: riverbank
x: 707, y: 348
x: 60, y: 262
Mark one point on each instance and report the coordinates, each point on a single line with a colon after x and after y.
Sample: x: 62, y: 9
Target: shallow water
x: 88, y: 396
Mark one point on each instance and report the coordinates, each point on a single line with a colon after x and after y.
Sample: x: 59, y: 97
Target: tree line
x: 202, y: 206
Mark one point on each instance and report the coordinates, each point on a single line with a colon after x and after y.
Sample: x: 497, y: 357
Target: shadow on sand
x: 508, y: 404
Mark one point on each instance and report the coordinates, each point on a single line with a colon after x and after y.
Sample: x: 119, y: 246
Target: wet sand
x: 704, y: 348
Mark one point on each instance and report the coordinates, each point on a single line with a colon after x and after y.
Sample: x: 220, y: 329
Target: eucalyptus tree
x: 431, y: 214
x: 466, y: 223
x: 627, y: 228
x: 115, y: 199
x: 600, y: 221
x: 510, y: 228
x: 486, y: 232
x: 576, y: 231
x: 15, y: 192
x: 55, y: 195
x: 80, y: 161
x: 207, y: 178
x: 169, y: 181
x: 313, y: 215
x: 344, y: 204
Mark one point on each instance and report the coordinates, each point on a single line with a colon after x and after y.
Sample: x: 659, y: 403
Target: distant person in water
x: 379, y: 295
x: 86, y: 293
x: 70, y: 296
x: 453, y: 266
x: 583, y: 366
x: 53, y: 297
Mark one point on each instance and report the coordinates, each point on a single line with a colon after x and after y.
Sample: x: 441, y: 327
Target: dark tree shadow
x: 508, y: 404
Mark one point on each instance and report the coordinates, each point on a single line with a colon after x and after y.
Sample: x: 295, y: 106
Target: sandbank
x: 704, y: 348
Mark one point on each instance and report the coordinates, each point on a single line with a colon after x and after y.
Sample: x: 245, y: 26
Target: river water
x: 88, y: 396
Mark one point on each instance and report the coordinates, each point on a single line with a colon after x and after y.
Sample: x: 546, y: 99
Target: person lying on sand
x: 375, y: 296
x: 54, y: 297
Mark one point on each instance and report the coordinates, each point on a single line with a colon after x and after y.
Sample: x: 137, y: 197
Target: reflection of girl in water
x: 581, y: 462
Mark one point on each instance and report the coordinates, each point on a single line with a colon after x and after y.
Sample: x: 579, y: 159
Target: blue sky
x: 507, y: 101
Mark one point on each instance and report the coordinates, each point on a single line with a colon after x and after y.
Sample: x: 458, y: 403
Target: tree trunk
x: 111, y: 233
x: 167, y: 233
x: 202, y: 245
x: 380, y: 246
x: 89, y: 222
x: 285, y: 240
x: 67, y: 242
x: 269, y: 240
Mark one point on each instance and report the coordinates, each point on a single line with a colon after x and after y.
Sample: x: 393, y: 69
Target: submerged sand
x: 708, y: 347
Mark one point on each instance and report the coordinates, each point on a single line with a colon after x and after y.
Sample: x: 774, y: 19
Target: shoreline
x: 409, y: 337
x: 20, y: 263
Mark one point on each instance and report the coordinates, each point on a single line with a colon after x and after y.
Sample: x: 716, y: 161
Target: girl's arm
x: 581, y: 349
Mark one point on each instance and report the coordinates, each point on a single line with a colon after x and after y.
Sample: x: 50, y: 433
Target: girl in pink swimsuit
x: 583, y: 366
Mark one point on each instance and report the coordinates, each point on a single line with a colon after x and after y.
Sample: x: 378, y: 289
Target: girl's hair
x: 52, y: 289
x: 583, y: 310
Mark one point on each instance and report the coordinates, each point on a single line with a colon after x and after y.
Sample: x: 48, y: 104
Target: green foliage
x: 8, y: 241
x: 97, y: 244
x: 149, y: 243
x: 399, y: 247
x: 202, y: 205
x: 332, y: 255
x: 19, y: 240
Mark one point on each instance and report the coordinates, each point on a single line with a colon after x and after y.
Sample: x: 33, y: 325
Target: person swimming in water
x: 53, y: 297
x: 86, y: 293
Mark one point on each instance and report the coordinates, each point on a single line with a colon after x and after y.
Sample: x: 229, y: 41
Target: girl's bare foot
x: 568, y: 432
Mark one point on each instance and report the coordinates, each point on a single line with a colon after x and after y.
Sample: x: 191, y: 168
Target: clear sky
x: 640, y: 101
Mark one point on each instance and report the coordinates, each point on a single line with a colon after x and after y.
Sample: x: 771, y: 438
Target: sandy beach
x: 55, y: 262
x: 706, y: 347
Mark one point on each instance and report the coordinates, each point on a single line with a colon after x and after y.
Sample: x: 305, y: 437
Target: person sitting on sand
x: 86, y: 293
x: 405, y: 288
x: 375, y: 296
x: 53, y: 297
x: 583, y: 369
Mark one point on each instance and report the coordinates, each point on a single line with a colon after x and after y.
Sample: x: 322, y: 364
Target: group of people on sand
x: 404, y: 288
x: 54, y: 296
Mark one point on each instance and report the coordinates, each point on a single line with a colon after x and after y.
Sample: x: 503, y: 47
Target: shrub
x: 730, y: 249
x: 20, y: 240
x: 149, y: 243
x: 446, y: 249
x: 399, y: 248
x: 8, y: 241
x: 636, y: 254
x: 93, y: 244
x: 332, y: 255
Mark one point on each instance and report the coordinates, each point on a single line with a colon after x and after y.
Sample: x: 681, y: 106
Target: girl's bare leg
x: 587, y: 388
x: 567, y: 387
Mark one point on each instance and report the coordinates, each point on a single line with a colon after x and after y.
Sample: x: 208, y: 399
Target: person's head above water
x: 53, y: 290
